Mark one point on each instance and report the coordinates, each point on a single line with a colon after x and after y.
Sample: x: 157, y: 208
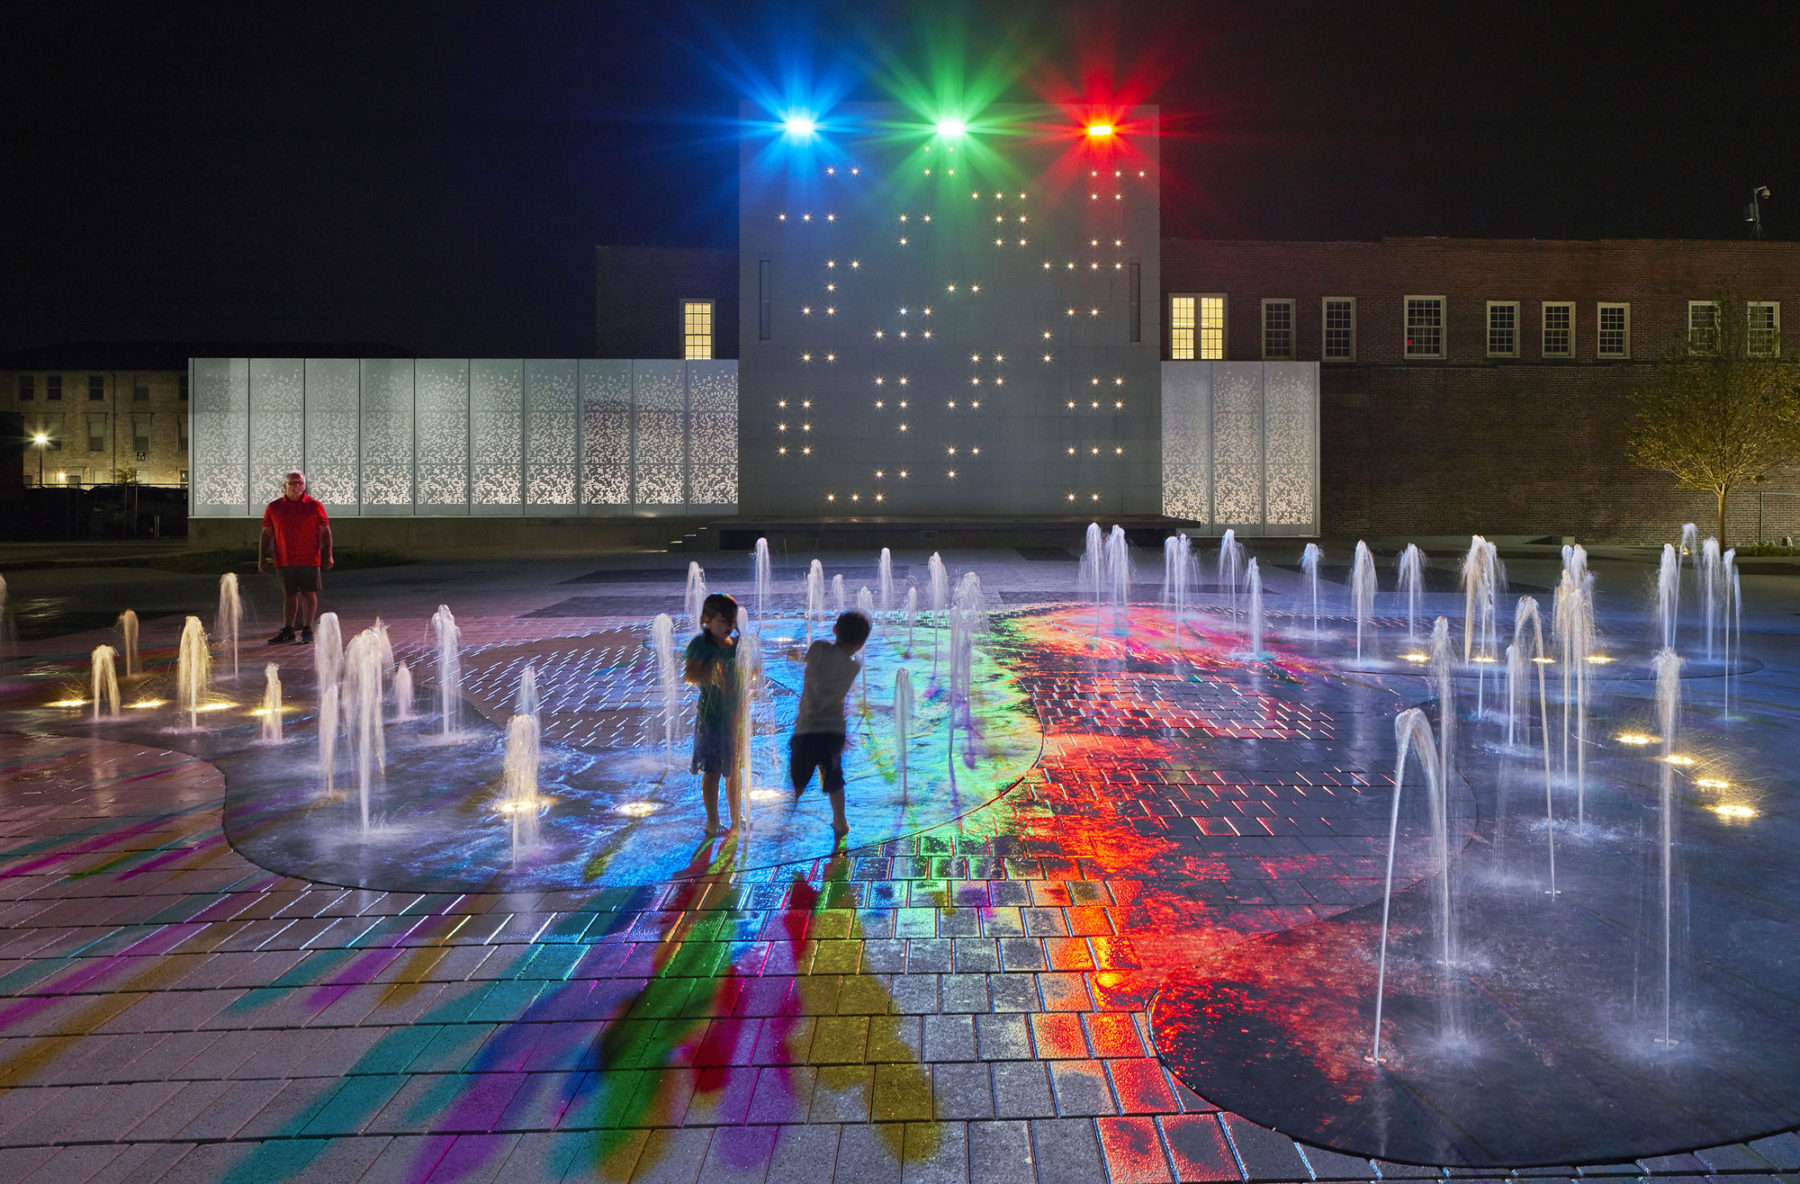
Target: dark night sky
x: 434, y: 175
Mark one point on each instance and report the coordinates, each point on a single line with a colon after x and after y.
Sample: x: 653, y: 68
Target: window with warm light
x: 1559, y: 329
x: 1181, y: 328
x: 1278, y: 329
x: 697, y: 329
x: 1614, y: 340
x: 1196, y: 328
x: 1424, y: 327
x: 1338, y: 320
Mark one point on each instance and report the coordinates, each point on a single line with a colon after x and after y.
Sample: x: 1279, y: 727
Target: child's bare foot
x: 715, y: 829
x: 840, y: 831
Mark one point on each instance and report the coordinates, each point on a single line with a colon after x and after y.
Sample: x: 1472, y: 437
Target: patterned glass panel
x: 497, y: 432
x: 387, y: 434
x: 712, y: 391
x: 442, y: 430
x: 1291, y: 446
x: 1187, y: 440
x: 1237, y: 444
x: 219, y: 446
x: 550, y: 433
x: 277, y: 425
x: 660, y: 437
x: 331, y: 431
x: 606, y: 434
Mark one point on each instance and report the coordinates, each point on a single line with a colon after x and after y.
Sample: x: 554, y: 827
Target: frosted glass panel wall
x: 1241, y: 445
x: 219, y: 435
x: 454, y: 436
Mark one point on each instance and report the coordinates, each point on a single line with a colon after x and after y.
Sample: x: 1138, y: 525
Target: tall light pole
x: 40, y: 442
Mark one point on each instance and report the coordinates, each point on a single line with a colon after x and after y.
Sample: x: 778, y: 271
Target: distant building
x: 1484, y: 385
x: 1466, y: 385
x: 100, y: 413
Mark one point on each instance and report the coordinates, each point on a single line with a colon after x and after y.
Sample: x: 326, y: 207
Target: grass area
x: 1763, y: 550
x: 243, y: 560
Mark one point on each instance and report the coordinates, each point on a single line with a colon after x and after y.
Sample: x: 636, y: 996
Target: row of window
x: 1197, y: 328
x: 96, y: 388
x: 50, y: 427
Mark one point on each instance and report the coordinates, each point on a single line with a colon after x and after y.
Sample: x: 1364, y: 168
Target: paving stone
x: 1001, y: 1153
x: 1334, y: 1165
x: 1670, y: 1165
x: 1134, y: 1151
x: 1002, y: 1037
x: 935, y: 1153
x: 672, y: 1156
x: 1782, y: 1151
x: 1199, y: 1150
x: 1066, y: 1150
x: 739, y: 1155
x: 541, y: 1157
x: 841, y: 1093
x: 948, y: 1037
x: 804, y: 1154
x: 963, y: 993
x: 1732, y: 1157
x: 70, y: 1165
x: 1021, y: 1090
x: 962, y: 1091
x: 869, y: 1153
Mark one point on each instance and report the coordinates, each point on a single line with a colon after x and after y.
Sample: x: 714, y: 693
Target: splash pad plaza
x: 1113, y: 907
x: 1222, y: 857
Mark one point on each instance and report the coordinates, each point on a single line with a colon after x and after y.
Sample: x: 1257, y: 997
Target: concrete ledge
x: 447, y: 538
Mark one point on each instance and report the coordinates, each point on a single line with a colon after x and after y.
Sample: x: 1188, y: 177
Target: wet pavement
x: 198, y: 983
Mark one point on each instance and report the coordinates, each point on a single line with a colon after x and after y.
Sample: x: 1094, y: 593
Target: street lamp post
x: 40, y: 442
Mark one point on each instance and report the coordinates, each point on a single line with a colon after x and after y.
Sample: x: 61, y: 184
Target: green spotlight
x: 951, y: 127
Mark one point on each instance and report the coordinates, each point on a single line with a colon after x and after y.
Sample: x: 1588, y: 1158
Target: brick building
x: 665, y: 302
x: 1483, y: 385
x: 103, y: 412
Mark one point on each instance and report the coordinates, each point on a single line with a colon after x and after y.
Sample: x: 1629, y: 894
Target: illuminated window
x: 1614, y: 340
x: 1502, y: 329
x: 140, y: 435
x: 1424, y: 326
x: 1181, y: 329
x: 96, y: 433
x: 697, y: 329
x: 1338, y: 316
x: 1559, y: 329
x: 1196, y: 328
x: 1278, y: 329
x: 1764, y: 340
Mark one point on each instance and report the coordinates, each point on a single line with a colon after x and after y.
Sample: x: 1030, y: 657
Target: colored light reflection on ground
x: 963, y: 993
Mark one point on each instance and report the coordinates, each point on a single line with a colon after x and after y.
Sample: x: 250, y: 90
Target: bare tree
x: 1724, y: 407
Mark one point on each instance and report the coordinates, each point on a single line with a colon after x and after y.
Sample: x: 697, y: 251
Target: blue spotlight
x: 800, y: 127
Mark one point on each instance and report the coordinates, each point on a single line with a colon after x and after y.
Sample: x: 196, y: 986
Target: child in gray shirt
x: 818, y: 740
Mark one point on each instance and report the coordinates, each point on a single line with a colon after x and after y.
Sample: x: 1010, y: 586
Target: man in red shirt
x: 297, y: 535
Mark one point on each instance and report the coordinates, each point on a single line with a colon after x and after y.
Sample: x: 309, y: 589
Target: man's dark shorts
x: 298, y: 579
x: 823, y: 751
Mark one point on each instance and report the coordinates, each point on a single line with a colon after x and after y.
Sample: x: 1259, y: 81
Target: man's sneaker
x: 306, y: 635
x: 286, y: 635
